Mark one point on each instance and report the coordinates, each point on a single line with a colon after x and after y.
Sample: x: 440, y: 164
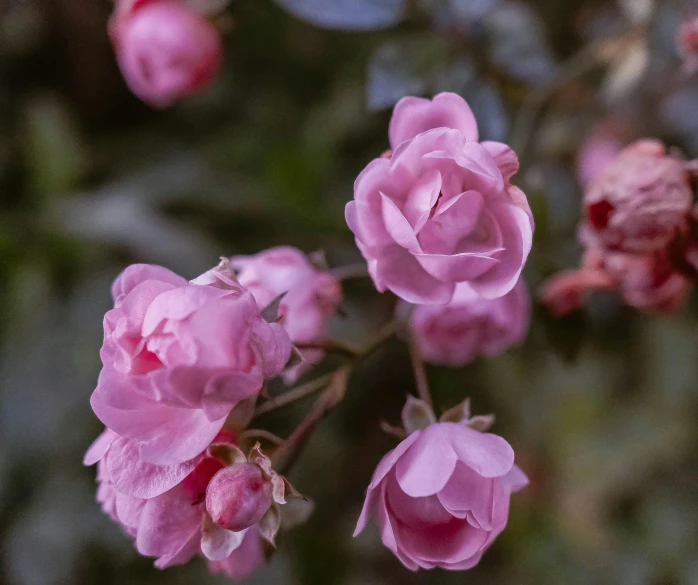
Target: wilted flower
x: 441, y: 210
x: 165, y: 50
x: 441, y: 496
x: 470, y: 325
x: 640, y: 201
x: 177, y: 358
x: 648, y: 282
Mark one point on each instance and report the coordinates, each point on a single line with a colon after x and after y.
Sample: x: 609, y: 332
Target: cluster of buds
x: 185, y: 362
x: 638, y: 231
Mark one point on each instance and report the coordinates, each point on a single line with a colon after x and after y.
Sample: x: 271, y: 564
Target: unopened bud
x: 238, y: 496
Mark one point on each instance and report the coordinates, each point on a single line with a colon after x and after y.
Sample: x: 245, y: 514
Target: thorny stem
x: 292, y: 395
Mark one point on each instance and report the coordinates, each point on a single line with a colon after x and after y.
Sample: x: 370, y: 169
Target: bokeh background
x: 601, y: 406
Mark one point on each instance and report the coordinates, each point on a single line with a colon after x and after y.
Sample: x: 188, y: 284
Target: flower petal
x: 412, y: 116
x: 397, y: 225
x: 428, y: 464
x: 167, y: 523
x: 139, y: 479
x: 218, y: 543
x: 401, y: 273
x: 99, y: 448
x: 487, y: 454
x: 517, y: 235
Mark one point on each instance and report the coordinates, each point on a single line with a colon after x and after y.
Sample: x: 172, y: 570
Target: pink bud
x: 238, y: 496
x: 165, y: 50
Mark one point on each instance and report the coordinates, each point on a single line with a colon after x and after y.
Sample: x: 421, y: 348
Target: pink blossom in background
x: 441, y: 496
x: 165, y: 50
x: 687, y: 42
x: 177, y: 357
x: 640, y: 201
x: 598, y: 151
x: 470, y: 325
x: 162, y: 507
x: 647, y: 282
x: 310, y: 300
x: 441, y: 210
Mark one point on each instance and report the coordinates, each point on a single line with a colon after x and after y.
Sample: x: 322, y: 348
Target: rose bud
x: 165, y: 50
x: 638, y: 202
x: 238, y: 496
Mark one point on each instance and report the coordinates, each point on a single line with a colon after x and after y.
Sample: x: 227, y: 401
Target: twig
x: 262, y: 434
x: 420, y: 374
x: 287, y: 454
x: 294, y: 394
x: 331, y: 346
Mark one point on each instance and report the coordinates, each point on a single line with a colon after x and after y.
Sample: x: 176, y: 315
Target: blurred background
x: 600, y: 406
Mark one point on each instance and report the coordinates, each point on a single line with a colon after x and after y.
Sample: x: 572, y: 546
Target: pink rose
x: 441, y: 496
x: 640, y: 201
x: 470, y: 325
x: 310, y: 300
x: 163, y: 507
x: 164, y: 49
x: 441, y: 210
x: 177, y: 358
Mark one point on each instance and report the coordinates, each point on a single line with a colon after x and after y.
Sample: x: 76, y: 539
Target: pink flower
x: 310, y: 295
x: 470, y: 325
x: 688, y: 44
x: 177, y: 358
x: 648, y: 282
x: 442, y: 210
x: 162, y: 507
x: 640, y: 201
x: 441, y: 496
x: 164, y: 49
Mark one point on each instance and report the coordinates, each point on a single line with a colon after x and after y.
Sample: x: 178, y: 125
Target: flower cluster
x: 638, y: 233
x: 185, y: 363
